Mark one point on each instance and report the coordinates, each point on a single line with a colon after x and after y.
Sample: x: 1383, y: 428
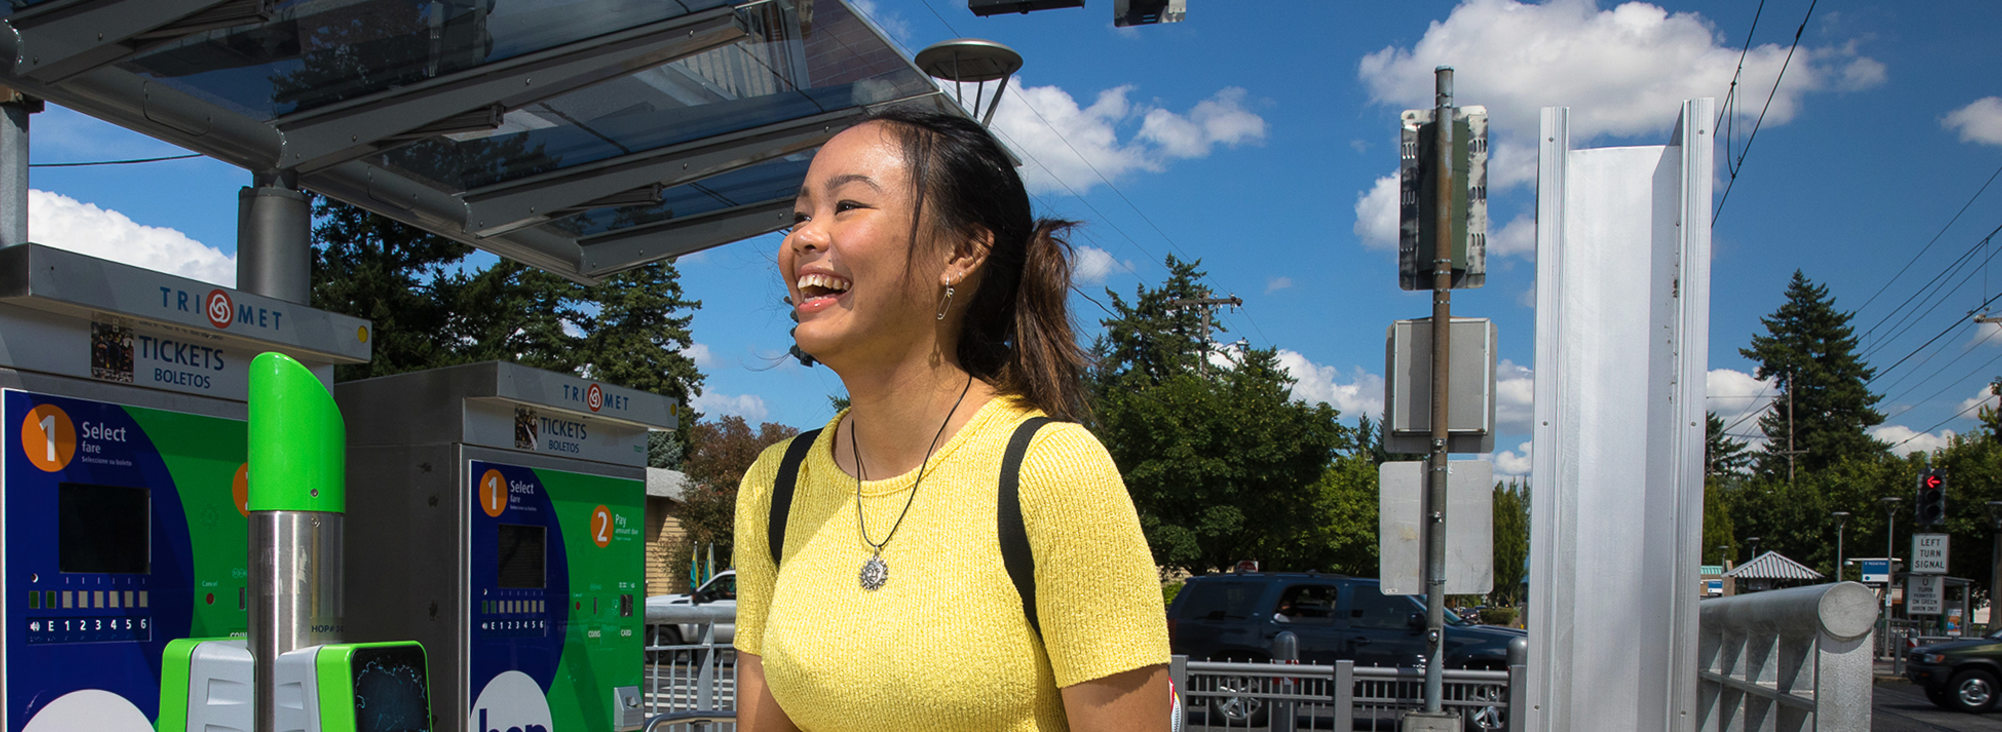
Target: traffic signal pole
x: 1442, y: 313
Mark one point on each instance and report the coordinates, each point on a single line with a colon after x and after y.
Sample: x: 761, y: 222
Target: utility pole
x: 1209, y: 306
x: 1841, y: 520
x: 1890, y: 564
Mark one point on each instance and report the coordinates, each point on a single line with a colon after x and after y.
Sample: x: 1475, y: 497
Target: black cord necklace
x: 875, y: 572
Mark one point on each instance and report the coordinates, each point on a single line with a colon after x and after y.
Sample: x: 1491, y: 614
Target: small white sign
x: 1929, y: 553
x: 1924, y: 594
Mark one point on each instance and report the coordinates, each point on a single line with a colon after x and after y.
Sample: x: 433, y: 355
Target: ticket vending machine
x: 495, y: 514
x: 122, y: 485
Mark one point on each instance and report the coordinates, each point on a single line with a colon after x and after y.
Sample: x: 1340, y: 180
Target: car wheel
x: 1972, y: 691
x: 1238, y: 710
x: 1490, y: 716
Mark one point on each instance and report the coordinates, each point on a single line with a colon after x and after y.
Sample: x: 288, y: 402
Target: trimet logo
x: 511, y: 702
x: 594, y: 397
x: 220, y: 309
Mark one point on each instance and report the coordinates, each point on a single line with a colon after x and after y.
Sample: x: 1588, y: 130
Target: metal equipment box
x: 495, y: 514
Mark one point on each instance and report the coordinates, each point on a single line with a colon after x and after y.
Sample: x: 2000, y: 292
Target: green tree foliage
x: 1720, y: 532
x: 430, y: 309
x: 1511, y: 541
x: 1221, y: 461
x: 1991, y: 417
x: 719, y: 453
x: 1824, y: 397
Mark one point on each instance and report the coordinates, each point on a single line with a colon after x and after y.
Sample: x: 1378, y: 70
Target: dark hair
x: 1016, y: 331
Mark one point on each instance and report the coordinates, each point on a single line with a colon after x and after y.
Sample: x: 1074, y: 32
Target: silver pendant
x: 875, y: 572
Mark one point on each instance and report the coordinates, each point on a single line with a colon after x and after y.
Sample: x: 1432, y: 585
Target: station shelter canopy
x: 584, y: 137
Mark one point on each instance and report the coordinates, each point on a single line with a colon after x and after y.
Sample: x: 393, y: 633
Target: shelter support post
x: 14, y: 110
x: 274, y: 250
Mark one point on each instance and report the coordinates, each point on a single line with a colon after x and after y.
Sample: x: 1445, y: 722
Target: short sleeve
x: 752, y: 554
x: 1098, y: 594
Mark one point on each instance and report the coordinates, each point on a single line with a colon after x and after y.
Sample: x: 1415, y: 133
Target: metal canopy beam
x: 609, y: 253
x: 57, y: 41
x: 509, y: 206
x: 336, y: 133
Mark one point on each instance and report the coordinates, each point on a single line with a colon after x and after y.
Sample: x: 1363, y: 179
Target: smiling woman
x: 884, y: 598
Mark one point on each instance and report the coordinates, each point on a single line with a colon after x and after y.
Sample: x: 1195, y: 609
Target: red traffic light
x: 1933, y: 480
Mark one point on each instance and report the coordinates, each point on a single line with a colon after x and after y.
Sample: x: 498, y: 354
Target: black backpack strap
x: 782, y: 489
x: 1014, y: 534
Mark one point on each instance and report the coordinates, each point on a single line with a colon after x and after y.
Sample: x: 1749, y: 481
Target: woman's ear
x: 968, y: 256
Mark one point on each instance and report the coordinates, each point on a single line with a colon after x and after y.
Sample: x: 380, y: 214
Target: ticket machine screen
x: 102, y: 529
x: 521, y: 554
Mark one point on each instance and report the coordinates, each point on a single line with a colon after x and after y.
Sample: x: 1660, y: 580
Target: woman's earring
x: 945, y: 303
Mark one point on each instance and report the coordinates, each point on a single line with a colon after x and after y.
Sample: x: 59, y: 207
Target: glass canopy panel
x: 773, y: 179
x: 796, y: 64
x: 318, y: 52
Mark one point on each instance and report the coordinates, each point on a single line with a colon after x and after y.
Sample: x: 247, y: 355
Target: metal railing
x: 1286, y: 697
x: 1782, y: 660
x: 690, y: 686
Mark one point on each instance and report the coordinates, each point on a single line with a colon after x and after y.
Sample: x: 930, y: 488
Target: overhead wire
x: 132, y: 161
x: 1739, y: 165
x: 1934, y: 291
x: 1935, y: 239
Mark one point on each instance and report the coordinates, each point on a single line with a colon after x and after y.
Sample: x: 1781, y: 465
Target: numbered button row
x: 505, y: 607
x: 86, y: 599
x: 89, y: 630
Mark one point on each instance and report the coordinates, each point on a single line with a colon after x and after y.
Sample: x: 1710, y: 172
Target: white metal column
x: 1616, y: 521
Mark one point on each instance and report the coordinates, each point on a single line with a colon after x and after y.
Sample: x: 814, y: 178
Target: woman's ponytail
x: 1046, y: 365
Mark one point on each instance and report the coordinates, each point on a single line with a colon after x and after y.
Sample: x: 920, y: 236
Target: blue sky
x: 1257, y: 137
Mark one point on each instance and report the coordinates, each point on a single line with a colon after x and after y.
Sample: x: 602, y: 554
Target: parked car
x: 1235, y: 617
x: 1961, y: 674
x: 720, y: 590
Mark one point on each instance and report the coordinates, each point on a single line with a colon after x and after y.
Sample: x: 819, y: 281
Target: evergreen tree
x: 1722, y: 456
x: 1223, y: 464
x: 1511, y: 541
x: 1824, y: 399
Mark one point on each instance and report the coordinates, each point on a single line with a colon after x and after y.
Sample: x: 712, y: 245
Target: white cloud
x: 1095, y: 264
x: 700, y: 354
x: 1622, y: 71
x: 1360, y: 395
x: 1512, y: 463
x: 1979, y: 121
x: 1515, y: 397
x: 1904, y: 441
x: 1510, y: 164
x: 1277, y: 283
x: 1376, y: 214
x: 1982, y: 398
x: 749, y: 406
x: 1527, y: 298
x: 1516, y: 238
x: 66, y: 223
x: 1068, y: 143
x: 1737, y: 398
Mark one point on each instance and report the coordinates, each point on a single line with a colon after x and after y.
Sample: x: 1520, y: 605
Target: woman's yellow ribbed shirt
x: 944, y: 645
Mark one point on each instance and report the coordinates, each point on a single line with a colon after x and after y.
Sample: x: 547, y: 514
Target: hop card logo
x: 220, y: 309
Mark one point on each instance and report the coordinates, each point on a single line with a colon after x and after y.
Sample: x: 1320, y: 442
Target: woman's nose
x: 807, y: 236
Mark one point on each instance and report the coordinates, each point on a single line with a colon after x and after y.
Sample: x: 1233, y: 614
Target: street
x: 1900, y: 706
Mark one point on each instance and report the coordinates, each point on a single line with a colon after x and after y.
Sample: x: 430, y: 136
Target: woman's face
x: 846, y: 262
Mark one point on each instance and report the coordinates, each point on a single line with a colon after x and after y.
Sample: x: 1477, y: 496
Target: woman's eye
x: 847, y: 206
x: 800, y: 217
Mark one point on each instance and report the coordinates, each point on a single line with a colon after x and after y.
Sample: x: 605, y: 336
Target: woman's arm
x: 757, y: 711
x: 1135, y: 701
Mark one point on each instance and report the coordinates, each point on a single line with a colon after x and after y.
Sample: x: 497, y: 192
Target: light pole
x: 1890, y: 564
x: 1841, y: 520
x: 1755, y: 549
x: 1995, y: 562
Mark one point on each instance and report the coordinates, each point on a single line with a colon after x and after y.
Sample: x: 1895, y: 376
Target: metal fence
x: 1286, y: 697
x: 1783, y: 660
x: 698, y: 679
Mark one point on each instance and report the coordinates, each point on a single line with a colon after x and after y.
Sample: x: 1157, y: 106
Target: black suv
x: 1959, y: 674
x: 1234, y: 617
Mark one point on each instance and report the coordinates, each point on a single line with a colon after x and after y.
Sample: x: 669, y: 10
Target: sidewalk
x: 1882, y: 672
